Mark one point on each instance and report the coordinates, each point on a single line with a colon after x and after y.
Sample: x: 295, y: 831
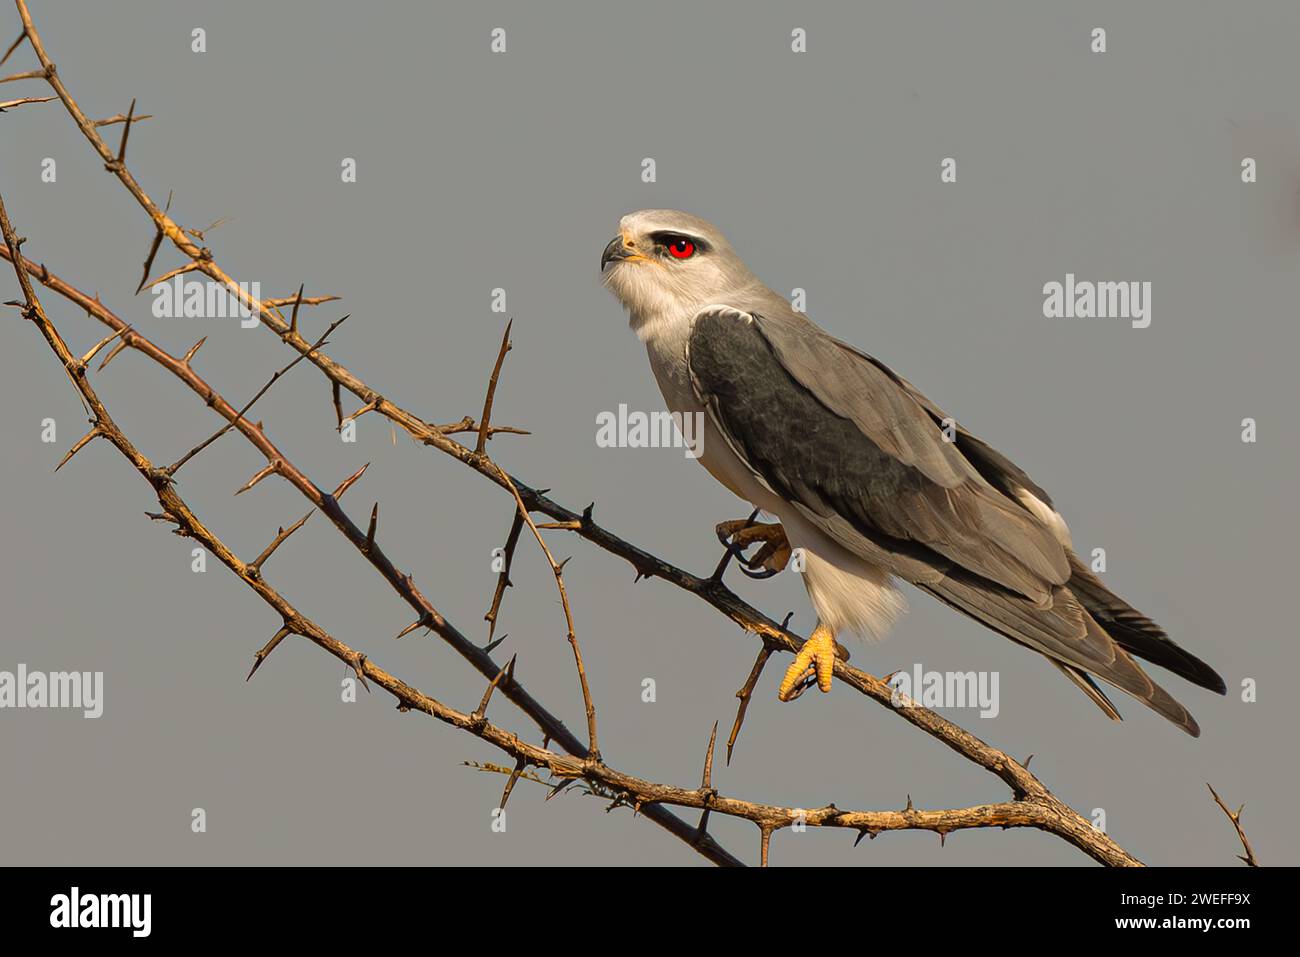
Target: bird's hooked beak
x: 619, y: 249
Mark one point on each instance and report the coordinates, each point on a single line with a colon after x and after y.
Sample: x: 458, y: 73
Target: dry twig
x: 1235, y: 817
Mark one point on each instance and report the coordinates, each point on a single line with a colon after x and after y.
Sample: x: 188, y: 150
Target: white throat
x: 666, y: 319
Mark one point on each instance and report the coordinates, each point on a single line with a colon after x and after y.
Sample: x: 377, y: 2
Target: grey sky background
x: 478, y: 171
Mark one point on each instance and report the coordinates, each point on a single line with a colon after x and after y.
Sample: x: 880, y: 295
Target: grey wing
x: 848, y: 444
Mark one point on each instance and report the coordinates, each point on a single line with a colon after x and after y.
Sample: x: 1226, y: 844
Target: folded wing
x: 866, y: 458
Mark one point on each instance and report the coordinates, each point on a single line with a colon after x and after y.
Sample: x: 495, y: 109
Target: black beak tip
x: 613, y: 252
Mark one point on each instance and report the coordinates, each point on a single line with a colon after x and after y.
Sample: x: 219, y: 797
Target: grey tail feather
x: 1135, y: 632
x: 1127, y: 675
x: 1089, y: 687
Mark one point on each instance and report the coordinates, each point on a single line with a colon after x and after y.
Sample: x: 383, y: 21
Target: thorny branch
x: 1032, y: 805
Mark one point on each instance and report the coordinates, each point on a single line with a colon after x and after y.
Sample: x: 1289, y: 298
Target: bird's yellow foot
x: 816, y: 657
x: 739, y: 534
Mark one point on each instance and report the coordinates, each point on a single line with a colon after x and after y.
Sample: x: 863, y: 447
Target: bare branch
x: 29, y: 75
x: 115, y: 118
x: 1235, y: 817
x: 305, y: 300
x: 10, y: 104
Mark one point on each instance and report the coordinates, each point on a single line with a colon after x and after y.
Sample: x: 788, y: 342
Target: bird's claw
x: 739, y: 534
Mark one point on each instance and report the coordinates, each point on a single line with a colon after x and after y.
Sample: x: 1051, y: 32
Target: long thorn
x: 85, y: 360
x: 126, y: 132
x: 170, y: 274
x: 293, y: 319
x: 351, y: 480
x: 507, y: 672
x: 185, y: 359
x: 269, y: 647
x: 422, y: 620
x: 280, y: 536
x: 374, y: 523
x: 745, y: 694
x: 148, y: 259
x: 492, y: 390
x: 81, y: 443
x: 510, y: 784
x: 503, y: 577
x: 14, y: 46
x: 263, y: 473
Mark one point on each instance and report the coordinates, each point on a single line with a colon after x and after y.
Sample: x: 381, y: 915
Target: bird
x: 871, y: 483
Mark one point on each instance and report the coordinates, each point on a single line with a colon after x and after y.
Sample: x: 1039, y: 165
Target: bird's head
x: 665, y: 264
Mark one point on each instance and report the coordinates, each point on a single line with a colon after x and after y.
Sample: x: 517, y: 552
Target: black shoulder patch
x: 802, y: 449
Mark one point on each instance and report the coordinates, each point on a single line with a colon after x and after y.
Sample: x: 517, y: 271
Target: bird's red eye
x: 681, y: 248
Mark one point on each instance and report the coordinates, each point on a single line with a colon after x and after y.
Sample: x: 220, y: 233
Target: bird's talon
x: 739, y: 534
x: 758, y: 575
